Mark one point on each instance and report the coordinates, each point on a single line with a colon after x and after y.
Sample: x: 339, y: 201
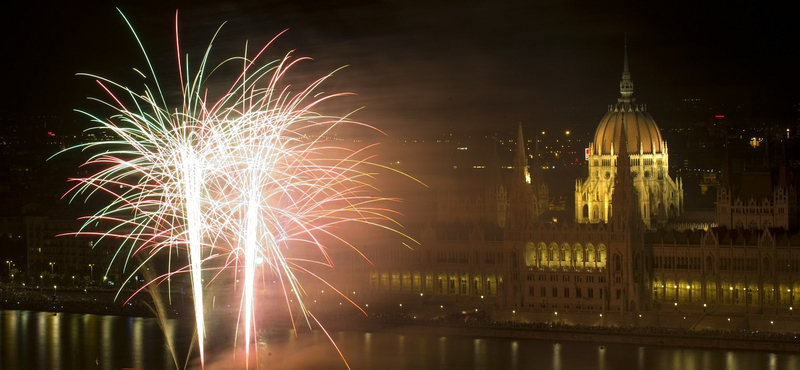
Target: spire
x: 625, y: 63
x: 626, y: 84
x: 520, y: 211
x: 623, y: 160
x: 521, y: 173
x: 623, y: 203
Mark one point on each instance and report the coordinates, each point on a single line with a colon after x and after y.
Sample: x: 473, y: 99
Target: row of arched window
x: 543, y: 255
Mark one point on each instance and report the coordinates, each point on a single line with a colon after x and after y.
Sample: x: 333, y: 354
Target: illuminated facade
x: 754, y: 270
x: 619, y: 264
x: 617, y: 269
x: 660, y: 197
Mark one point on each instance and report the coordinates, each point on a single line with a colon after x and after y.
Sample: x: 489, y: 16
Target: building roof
x: 642, y: 131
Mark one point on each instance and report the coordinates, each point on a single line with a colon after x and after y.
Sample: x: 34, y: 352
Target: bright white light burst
x: 238, y: 181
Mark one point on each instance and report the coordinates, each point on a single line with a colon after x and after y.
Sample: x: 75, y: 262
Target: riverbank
x: 620, y: 337
x: 95, y: 302
x: 647, y: 336
x: 474, y: 325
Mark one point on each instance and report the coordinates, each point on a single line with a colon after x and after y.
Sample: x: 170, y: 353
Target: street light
x: 52, y: 268
x: 91, y: 271
x: 9, y: 266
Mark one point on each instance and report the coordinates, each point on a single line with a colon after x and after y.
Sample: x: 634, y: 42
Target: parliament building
x: 622, y: 259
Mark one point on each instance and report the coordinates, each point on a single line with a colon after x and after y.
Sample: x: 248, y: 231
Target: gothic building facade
x: 757, y: 199
x: 617, y: 259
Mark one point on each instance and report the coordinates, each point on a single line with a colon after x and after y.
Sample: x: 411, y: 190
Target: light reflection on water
x: 40, y: 340
x: 557, y: 356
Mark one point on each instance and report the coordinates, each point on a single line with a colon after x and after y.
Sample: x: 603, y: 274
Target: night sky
x: 433, y: 65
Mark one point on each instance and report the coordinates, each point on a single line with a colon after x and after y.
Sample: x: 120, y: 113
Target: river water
x: 41, y: 340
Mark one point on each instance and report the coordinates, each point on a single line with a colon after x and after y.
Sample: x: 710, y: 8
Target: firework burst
x: 235, y: 183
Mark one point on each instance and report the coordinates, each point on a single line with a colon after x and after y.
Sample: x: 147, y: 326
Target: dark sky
x: 432, y: 64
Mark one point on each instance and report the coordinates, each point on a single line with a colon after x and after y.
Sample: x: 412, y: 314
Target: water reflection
x: 43, y: 340
x: 514, y: 355
x: 479, y: 353
x: 601, y: 358
x: 33, y: 340
x: 730, y: 361
x: 557, y: 356
x: 443, y: 352
x: 641, y: 359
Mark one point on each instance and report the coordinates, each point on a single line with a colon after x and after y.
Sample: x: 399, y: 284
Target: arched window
x: 601, y: 254
x: 617, y: 263
x: 578, y: 252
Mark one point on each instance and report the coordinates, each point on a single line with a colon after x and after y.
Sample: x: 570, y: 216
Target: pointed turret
x: 521, y: 169
x: 626, y: 84
x: 520, y: 195
x: 624, y: 204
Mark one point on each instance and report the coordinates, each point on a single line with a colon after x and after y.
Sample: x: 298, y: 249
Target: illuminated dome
x: 643, y: 133
x: 660, y: 198
x: 642, y: 130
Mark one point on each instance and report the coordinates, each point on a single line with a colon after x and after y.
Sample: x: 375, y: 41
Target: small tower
x: 628, y: 290
x: 624, y: 204
x: 521, y: 212
x: 626, y: 84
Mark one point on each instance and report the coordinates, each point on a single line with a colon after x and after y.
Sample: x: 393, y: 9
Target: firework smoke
x: 230, y: 183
